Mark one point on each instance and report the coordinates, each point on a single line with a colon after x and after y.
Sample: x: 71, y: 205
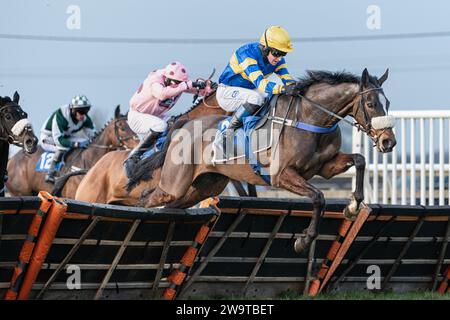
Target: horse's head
x: 14, y: 125
x: 120, y: 132
x: 370, y: 110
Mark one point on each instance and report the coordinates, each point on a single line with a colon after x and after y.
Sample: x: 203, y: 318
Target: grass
x: 369, y: 295
x: 350, y: 295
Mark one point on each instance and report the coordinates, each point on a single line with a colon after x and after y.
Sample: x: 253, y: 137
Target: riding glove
x: 199, y: 84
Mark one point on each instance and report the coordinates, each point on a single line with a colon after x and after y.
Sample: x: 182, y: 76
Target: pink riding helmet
x: 177, y: 71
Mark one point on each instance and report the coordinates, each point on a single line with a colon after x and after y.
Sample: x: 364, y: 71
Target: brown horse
x: 25, y: 180
x: 106, y: 181
x: 14, y: 129
x: 321, y: 100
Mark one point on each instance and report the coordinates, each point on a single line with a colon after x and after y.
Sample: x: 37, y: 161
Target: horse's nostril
x: 30, y: 142
x: 388, y: 144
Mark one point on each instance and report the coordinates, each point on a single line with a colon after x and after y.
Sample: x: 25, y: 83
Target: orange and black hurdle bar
x: 178, y: 276
x: 36, y: 246
x: 50, y: 211
x: 347, y: 233
x: 444, y: 286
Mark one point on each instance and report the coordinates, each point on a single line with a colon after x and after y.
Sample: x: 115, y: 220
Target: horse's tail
x: 62, y: 180
x: 145, y: 168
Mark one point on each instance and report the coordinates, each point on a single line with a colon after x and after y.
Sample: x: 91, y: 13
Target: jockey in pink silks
x: 149, y: 105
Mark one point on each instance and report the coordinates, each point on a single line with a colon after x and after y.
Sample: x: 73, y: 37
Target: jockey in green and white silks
x: 67, y: 128
x: 243, y: 85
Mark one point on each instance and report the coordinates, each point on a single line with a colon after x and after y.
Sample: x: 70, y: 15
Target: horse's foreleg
x: 341, y: 163
x: 156, y: 197
x: 206, y: 186
x: 290, y: 180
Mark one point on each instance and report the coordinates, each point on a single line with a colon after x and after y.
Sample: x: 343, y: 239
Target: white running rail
x: 418, y: 170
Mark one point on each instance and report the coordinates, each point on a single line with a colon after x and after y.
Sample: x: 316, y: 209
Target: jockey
x: 58, y: 131
x: 148, y: 106
x: 243, y: 85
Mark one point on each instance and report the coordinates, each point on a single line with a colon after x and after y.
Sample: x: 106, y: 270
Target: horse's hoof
x: 301, y: 243
x: 351, y: 215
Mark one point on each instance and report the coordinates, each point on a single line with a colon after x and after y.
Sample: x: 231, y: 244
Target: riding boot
x: 135, y: 155
x: 247, y: 109
x: 57, y: 157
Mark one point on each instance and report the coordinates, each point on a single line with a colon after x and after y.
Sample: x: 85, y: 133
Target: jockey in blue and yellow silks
x: 243, y: 85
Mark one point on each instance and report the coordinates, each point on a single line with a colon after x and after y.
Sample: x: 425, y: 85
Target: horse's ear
x: 117, y: 112
x: 383, y: 77
x: 16, y: 98
x: 365, y: 78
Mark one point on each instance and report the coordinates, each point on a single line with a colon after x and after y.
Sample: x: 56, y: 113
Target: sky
x: 48, y: 73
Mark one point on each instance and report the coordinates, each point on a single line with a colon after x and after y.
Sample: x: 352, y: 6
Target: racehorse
x: 25, y: 180
x: 106, y: 181
x: 14, y: 129
x: 321, y: 100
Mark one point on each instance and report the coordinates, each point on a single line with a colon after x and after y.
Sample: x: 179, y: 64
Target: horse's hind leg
x: 290, y: 180
x: 341, y: 163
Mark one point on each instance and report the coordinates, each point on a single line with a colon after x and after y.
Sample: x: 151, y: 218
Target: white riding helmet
x: 80, y: 102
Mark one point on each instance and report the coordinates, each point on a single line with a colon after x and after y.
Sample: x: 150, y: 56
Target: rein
x: 312, y: 128
x: 111, y: 147
x: 207, y: 105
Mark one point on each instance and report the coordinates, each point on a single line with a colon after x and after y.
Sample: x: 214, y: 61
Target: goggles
x: 277, y: 53
x: 83, y: 111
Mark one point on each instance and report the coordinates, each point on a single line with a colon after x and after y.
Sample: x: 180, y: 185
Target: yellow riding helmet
x: 278, y: 38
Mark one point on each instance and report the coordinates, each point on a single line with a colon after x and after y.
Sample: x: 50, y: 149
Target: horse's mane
x: 99, y: 132
x: 313, y: 77
x: 92, y: 140
x: 195, y: 105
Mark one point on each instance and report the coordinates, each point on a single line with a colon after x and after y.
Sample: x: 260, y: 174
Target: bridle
x: 120, y: 139
x: 10, y: 136
x: 369, y: 130
x: 366, y: 127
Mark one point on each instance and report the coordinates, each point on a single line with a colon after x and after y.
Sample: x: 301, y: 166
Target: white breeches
x: 231, y: 98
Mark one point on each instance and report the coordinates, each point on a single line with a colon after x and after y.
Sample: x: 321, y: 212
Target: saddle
x: 252, y: 138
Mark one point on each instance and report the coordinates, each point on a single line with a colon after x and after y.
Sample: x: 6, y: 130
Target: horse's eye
x: 369, y: 105
x: 8, y: 117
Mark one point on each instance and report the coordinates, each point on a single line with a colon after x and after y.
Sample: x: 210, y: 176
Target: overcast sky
x: 48, y: 73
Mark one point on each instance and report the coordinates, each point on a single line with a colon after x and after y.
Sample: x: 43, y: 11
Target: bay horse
x: 26, y: 181
x: 321, y: 99
x: 106, y: 181
x: 16, y: 129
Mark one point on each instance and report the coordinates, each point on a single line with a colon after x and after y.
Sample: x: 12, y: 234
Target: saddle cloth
x: 251, y: 138
x: 44, y: 162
